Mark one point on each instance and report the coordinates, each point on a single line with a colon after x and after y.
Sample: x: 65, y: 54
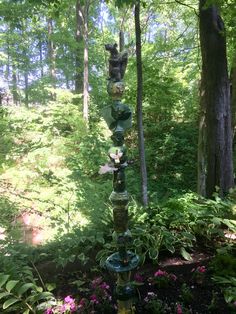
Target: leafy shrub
x: 6, y: 139
x: 21, y: 295
x: 178, y: 224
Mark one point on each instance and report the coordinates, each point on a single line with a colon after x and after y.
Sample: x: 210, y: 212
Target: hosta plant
x: 18, y: 296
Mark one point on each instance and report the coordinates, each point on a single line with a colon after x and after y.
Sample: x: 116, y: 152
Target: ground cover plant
x: 172, y: 276
x: 56, y: 226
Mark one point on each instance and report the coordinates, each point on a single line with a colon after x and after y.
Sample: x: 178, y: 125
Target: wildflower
x: 81, y: 303
x: 160, y: 273
x: 138, y: 277
x: 104, y: 286
x: 96, y: 282
x: 201, y: 269
x: 49, y: 311
x: 69, y: 305
x: 150, y: 295
x: 173, y: 277
x: 69, y: 299
x: 179, y: 309
x: 94, y: 299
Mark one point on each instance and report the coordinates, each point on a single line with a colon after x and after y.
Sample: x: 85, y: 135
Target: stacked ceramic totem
x: 118, y: 116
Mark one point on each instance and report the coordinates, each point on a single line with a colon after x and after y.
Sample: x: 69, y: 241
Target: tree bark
x: 26, y: 77
x: 86, y: 69
x: 79, y: 50
x: 14, y: 85
x: 233, y: 96
x: 201, y: 167
x: 51, y: 56
x: 216, y: 96
x: 40, y: 45
x: 143, y: 168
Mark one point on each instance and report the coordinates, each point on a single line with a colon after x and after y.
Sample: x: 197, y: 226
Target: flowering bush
x: 100, y: 298
x: 67, y: 306
x: 199, y: 274
x: 162, y: 279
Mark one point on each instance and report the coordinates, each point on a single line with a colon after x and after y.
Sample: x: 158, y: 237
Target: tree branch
x: 188, y: 6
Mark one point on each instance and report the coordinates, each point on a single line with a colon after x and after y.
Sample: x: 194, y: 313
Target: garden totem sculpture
x: 118, y: 117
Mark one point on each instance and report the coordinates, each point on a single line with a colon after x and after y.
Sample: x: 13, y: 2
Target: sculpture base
x: 116, y: 264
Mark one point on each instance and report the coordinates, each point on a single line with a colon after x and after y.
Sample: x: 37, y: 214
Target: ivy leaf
x: 9, y: 302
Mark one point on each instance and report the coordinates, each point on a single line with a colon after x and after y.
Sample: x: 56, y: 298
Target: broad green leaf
x: 4, y: 294
x: 9, y: 302
x: 39, y: 296
x: 3, y: 279
x: 39, y: 289
x: 185, y: 254
x: 25, y: 287
x: 153, y: 253
x: 11, y: 284
x: 78, y: 283
x: 50, y: 286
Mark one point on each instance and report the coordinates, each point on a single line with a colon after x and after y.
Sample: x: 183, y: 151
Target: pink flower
x: 81, y: 303
x: 201, y: 269
x: 173, y: 277
x: 104, y: 286
x: 138, y: 277
x: 96, y: 282
x: 94, y: 299
x: 49, y: 311
x: 69, y: 299
x: 234, y: 303
x: 69, y: 305
x: 179, y: 309
x: 160, y: 273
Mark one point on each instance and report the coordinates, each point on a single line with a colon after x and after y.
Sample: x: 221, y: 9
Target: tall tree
x: 216, y: 99
x: 141, y: 145
x: 82, y: 76
x: 79, y: 56
x: 51, y: 55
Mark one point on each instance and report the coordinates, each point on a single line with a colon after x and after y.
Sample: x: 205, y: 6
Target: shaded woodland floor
x: 185, y: 293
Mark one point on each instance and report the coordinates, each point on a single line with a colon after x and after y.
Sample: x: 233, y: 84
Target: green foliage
x: 178, y: 224
x: 21, y: 295
x: 186, y: 294
x: 224, y: 264
x: 6, y: 140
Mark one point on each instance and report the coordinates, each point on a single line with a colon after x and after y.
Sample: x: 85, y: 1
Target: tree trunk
x: 14, y: 85
x: 86, y: 69
x: 121, y: 40
x: 233, y: 96
x: 41, y: 57
x: 216, y: 96
x: 201, y: 167
x: 26, y: 77
x: 51, y: 56
x: 79, y: 50
x: 143, y: 168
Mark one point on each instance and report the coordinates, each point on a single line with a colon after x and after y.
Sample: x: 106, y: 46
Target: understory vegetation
x: 50, y: 172
x: 56, y: 226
